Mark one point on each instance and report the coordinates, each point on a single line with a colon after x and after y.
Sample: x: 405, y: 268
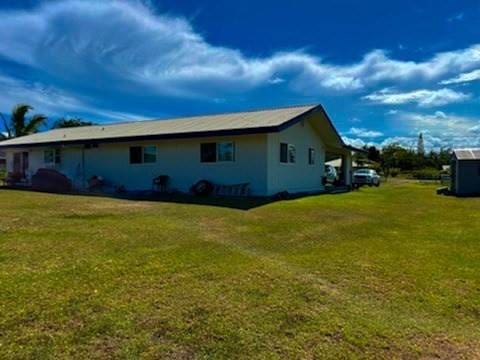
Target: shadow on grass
x: 239, y: 203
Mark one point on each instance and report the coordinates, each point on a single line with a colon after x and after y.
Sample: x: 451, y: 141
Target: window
x: 52, y: 157
x: 217, y: 152
x: 292, y: 153
x: 226, y: 151
x: 311, y: 156
x: 136, y: 155
x: 143, y: 154
x: 208, y: 152
x: 283, y: 153
x: 149, y: 154
x: 288, y: 153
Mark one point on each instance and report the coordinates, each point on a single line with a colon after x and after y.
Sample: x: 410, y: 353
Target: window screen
x: 226, y: 151
x: 292, y: 153
x: 149, y: 154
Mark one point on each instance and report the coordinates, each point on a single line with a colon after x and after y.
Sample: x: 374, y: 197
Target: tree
x: 420, y: 145
x: 373, y: 154
x: 70, y: 122
x: 19, y: 125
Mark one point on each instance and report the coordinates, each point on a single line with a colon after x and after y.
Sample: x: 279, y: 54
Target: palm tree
x: 70, y: 122
x: 19, y: 125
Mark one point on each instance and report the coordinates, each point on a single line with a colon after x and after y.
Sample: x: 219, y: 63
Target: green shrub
x: 394, y: 172
x: 3, y: 176
x: 426, y: 174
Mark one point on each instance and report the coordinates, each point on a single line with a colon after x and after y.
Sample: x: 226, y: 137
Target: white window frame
x: 289, y: 146
x: 55, y: 154
x: 232, y: 143
x: 217, y: 152
x: 143, y: 154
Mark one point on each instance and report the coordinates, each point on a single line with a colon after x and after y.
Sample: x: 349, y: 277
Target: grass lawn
x: 387, y: 273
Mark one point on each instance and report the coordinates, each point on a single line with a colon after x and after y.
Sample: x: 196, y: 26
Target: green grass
x: 386, y: 273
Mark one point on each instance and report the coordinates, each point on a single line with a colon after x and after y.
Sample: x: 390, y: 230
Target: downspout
x: 83, y: 168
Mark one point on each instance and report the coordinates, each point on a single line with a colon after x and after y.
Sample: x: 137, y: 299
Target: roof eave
x: 185, y: 135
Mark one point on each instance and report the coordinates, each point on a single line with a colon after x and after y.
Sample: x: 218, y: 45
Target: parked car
x: 330, y: 174
x: 366, y: 177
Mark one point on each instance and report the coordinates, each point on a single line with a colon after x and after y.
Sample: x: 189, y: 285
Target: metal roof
x: 467, y: 154
x: 232, y: 123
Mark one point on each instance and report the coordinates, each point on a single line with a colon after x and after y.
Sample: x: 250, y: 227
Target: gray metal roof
x: 467, y: 154
x: 250, y: 122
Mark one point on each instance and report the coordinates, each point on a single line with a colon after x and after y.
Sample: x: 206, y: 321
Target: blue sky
x: 384, y: 70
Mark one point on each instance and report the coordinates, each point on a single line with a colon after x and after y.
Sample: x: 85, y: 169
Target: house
x: 275, y: 150
x: 465, y: 172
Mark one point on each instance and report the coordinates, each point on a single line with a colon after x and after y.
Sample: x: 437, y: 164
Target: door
x: 17, y: 163
x: 20, y: 164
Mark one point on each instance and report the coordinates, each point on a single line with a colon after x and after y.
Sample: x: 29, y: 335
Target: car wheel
x: 377, y: 184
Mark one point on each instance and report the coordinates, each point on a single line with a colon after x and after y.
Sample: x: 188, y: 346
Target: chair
x: 160, y: 183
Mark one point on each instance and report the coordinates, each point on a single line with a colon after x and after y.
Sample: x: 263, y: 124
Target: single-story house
x: 275, y: 150
x: 465, y: 172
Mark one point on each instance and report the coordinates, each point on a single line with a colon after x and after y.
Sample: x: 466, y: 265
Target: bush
x: 426, y: 174
x: 3, y: 176
x: 394, y: 172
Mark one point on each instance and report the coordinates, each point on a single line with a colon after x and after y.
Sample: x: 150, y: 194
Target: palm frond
x: 34, y: 124
x: 18, y: 118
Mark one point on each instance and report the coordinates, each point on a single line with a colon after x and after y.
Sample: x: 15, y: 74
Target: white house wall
x: 299, y: 176
x: 179, y: 159
x: 257, y: 161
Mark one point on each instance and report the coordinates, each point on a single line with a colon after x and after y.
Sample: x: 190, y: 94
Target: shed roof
x: 467, y: 154
x: 249, y: 122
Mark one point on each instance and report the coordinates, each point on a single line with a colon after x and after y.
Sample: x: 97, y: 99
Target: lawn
x: 386, y: 273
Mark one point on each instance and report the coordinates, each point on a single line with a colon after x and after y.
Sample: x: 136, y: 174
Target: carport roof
x: 467, y: 154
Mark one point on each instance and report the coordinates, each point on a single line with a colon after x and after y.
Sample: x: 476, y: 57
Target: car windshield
x: 363, y: 171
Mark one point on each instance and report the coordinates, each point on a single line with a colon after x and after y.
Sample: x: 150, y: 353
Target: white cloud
x: 462, y: 78
x: 423, y: 97
x: 130, y: 47
x: 50, y: 100
x: 439, y: 129
x: 356, y: 142
x: 364, y: 133
x: 440, y: 123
